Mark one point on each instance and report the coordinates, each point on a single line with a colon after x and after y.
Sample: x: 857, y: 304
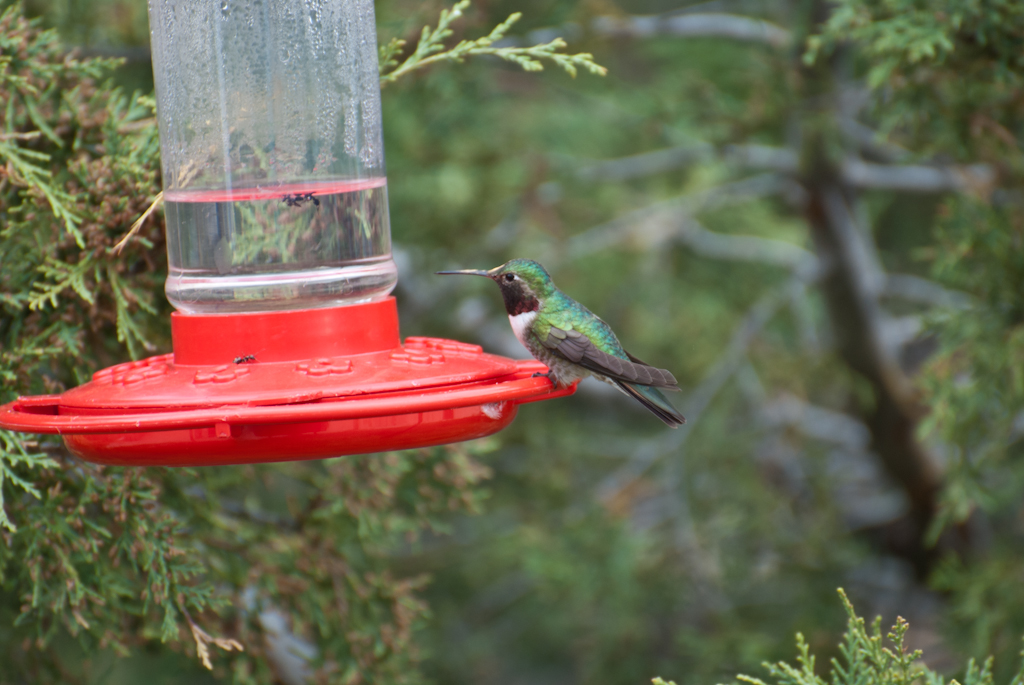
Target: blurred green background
x: 844, y: 325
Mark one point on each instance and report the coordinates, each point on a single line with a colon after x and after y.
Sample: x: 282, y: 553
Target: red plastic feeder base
x: 281, y: 386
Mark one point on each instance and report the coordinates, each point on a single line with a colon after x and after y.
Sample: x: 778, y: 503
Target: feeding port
x: 285, y: 340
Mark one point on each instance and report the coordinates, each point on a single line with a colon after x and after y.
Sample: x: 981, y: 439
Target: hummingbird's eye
x: 510, y: 277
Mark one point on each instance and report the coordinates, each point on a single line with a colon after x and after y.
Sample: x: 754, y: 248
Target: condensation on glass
x: 273, y: 163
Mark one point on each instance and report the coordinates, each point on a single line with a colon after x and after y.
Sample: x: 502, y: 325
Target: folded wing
x: 578, y: 349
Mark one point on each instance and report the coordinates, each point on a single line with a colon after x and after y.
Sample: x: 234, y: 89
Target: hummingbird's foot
x: 542, y: 375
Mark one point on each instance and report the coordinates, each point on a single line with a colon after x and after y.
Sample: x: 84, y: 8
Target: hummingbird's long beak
x: 465, y: 272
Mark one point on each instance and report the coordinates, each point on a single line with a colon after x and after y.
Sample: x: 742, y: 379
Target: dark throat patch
x: 518, y: 298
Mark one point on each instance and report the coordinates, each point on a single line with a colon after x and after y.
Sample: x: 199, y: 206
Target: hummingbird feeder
x: 285, y: 338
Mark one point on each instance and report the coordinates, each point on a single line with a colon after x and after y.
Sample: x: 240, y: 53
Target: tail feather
x: 654, y: 401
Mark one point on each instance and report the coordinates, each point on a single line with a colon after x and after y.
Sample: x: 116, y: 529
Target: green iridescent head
x: 524, y: 284
x: 532, y: 274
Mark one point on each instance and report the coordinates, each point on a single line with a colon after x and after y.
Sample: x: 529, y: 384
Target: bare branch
x: 660, y: 222
x: 868, y: 281
x: 153, y: 206
x: 869, y: 141
x: 898, y: 331
x: 856, y: 248
x: 705, y: 25
x: 751, y: 156
x: 976, y: 178
x: 851, y: 291
x: 913, y: 178
x: 289, y: 656
x: 819, y: 423
x: 923, y: 291
x: 803, y: 313
x: 203, y: 639
x: 652, y: 451
x: 646, y: 164
x: 744, y: 248
x: 31, y: 135
x: 766, y: 157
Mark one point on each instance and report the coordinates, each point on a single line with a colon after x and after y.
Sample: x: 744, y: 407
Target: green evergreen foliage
x: 952, y: 72
x: 671, y: 197
x: 949, y: 79
x: 865, y: 659
x: 87, y: 154
x: 99, y: 561
x: 430, y: 49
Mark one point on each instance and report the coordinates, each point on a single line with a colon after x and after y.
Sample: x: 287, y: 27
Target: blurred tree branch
x: 975, y: 178
x: 851, y: 290
x: 654, y: 225
x: 699, y: 399
x: 852, y: 277
x: 914, y: 178
x: 697, y: 25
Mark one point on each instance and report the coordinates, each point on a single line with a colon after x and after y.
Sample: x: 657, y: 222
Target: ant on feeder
x: 297, y: 199
x: 246, y: 359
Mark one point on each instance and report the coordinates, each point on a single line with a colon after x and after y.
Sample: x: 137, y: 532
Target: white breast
x: 521, y: 324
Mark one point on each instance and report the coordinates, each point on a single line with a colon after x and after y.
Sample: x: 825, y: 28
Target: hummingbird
x: 572, y: 341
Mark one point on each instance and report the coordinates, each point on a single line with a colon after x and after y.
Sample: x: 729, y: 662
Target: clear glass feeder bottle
x: 275, y: 191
